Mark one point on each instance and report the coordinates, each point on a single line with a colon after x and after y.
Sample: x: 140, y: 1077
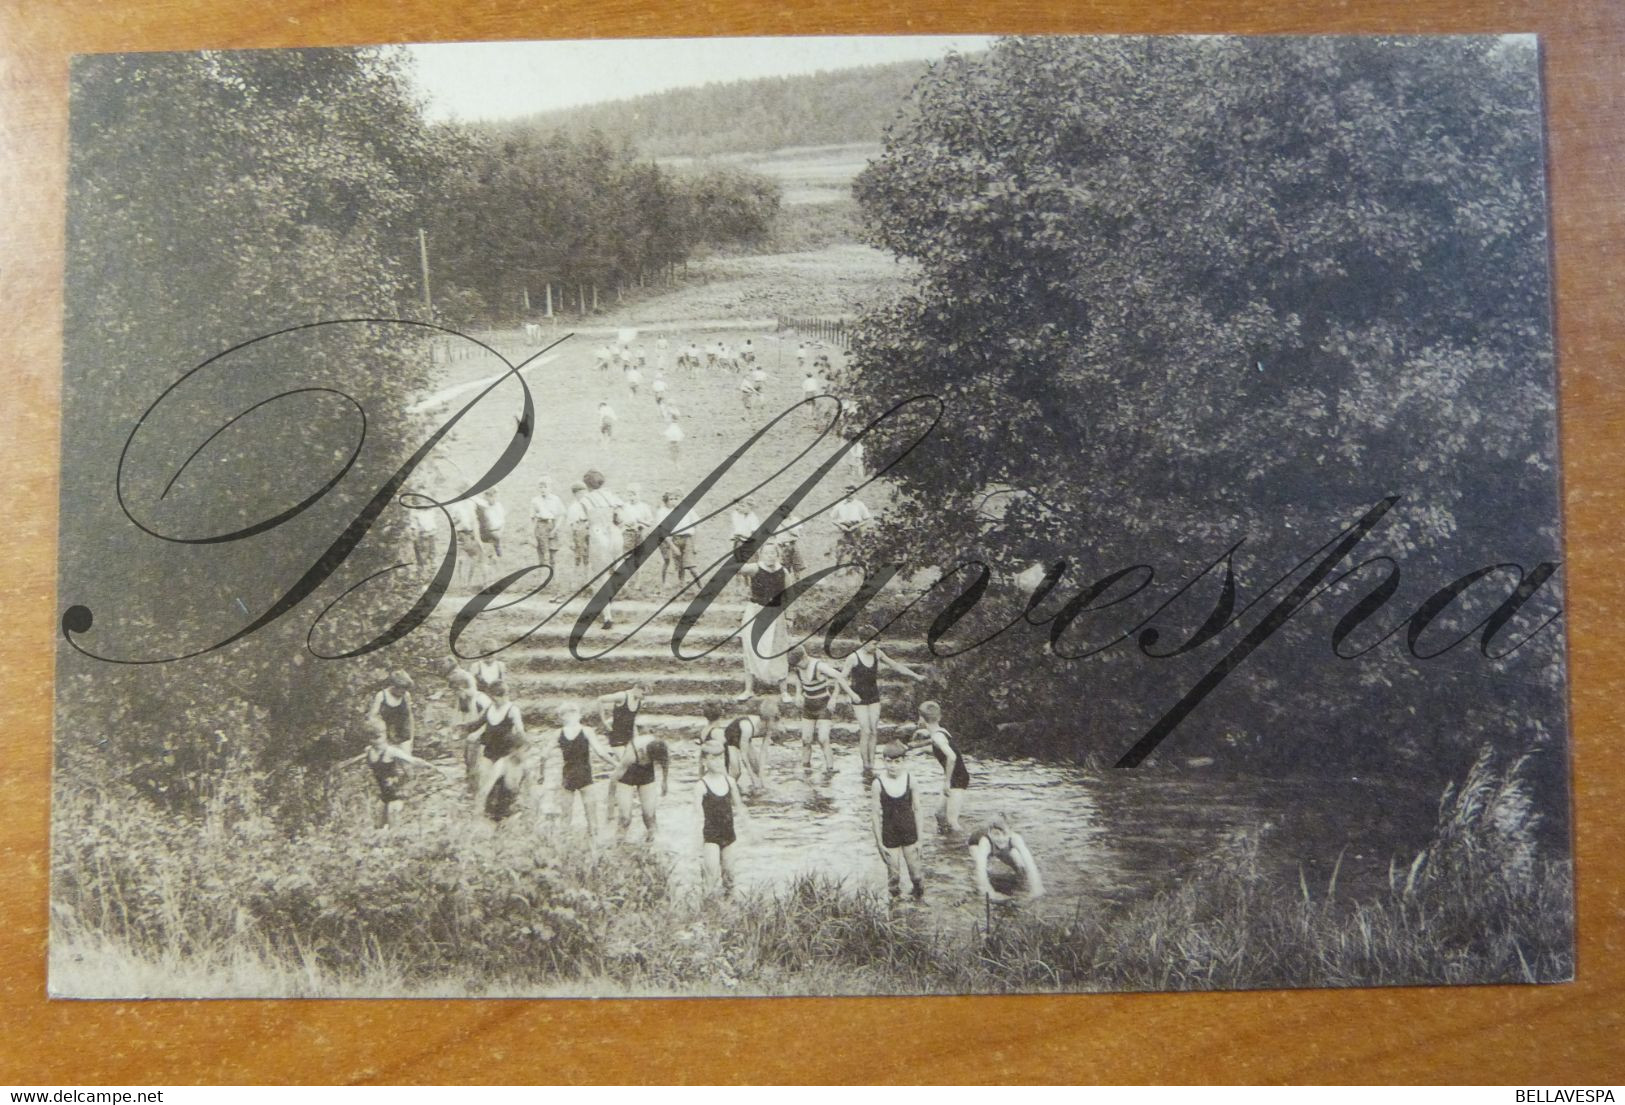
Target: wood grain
x: 1536, y: 1035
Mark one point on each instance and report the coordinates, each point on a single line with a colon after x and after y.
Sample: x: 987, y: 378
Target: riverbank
x: 233, y: 907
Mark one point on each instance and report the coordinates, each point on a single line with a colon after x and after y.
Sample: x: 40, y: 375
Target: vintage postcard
x: 810, y: 516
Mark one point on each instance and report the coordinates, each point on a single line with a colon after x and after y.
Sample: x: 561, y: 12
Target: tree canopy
x: 1177, y: 292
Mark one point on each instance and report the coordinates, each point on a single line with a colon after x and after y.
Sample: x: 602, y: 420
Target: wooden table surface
x: 1549, y: 1035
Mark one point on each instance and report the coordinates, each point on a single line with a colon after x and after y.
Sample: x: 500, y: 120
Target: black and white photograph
x: 809, y: 516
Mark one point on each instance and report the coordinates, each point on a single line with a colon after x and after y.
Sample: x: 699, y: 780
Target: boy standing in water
x: 955, y: 775
x: 896, y: 823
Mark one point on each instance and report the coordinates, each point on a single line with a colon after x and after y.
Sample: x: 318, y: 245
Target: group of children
x: 502, y: 763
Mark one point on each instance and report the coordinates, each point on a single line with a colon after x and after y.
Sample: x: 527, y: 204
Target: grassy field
x: 836, y: 281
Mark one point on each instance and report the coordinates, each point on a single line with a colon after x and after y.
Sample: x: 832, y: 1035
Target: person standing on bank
x: 393, y: 707
x: 765, y: 661
x: 895, y: 819
x: 547, y: 522
x: 636, y: 519
x: 604, y: 545
x: 862, y: 671
x: 816, y: 683
x: 849, y: 516
x: 674, y: 550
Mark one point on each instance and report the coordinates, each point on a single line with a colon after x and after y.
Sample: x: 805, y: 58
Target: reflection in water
x: 1098, y: 837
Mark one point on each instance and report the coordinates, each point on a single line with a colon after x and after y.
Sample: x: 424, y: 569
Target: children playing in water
x: 735, y: 734
x: 997, y: 840
x: 895, y: 820
x: 717, y: 797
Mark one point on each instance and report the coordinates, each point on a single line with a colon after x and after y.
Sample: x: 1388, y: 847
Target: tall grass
x: 231, y: 904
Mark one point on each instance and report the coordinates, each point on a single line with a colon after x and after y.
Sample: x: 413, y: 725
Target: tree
x: 215, y: 198
x: 1175, y: 292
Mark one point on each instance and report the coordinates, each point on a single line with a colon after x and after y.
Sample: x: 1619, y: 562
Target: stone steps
x: 677, y: 685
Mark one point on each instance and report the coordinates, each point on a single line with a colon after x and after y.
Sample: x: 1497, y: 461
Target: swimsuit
x: 898, y: 829
x: 1006, y: 882
x: 719, y: 816
x: 767, y: 587
x: 501, y: 738
x: 577, y: 765
x: 960, y: 779
x: 395, y: 718
x: 866, y: 680
x: 640, y: 773
x: 815, y: 693
x: 734, y: 734
x: 622, y: 724
x: 390, y: 775
x: 733, y: 738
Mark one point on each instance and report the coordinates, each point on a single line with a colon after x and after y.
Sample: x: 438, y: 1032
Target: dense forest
x: 1179, y: 294
x: 749, y: 116
x: 531, y: 220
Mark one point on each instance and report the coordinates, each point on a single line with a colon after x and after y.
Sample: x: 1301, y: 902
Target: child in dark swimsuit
x: 575, y: 745
x: 388, y: 763
x: 618, y: 713
x: 719, y: 805
x: 955, y: 775
x: 500, y: 770
x: 636, y: 775
x: 996, y: 840
x: 735, y: 734
x: 393, y: 706
x: 896, y: 823
x: 862, y: 670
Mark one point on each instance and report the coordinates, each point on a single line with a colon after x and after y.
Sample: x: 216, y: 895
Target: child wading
x: 719, y: 804
x: 574, y: 747
x: 816, y: 683
x: 1021, y: 879
x: 896, y: 822
x: 636, y: 775
x: 500, y: 770
x: 862, y: 671
x: 388, y: 763
x: 955, y: 775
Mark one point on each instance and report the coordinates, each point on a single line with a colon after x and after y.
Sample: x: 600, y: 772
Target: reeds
x: 232, y: 905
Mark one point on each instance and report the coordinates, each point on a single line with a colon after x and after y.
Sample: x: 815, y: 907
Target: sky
x: 497, y: 80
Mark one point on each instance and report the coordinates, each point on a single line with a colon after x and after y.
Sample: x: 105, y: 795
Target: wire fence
x: 835, y: 331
